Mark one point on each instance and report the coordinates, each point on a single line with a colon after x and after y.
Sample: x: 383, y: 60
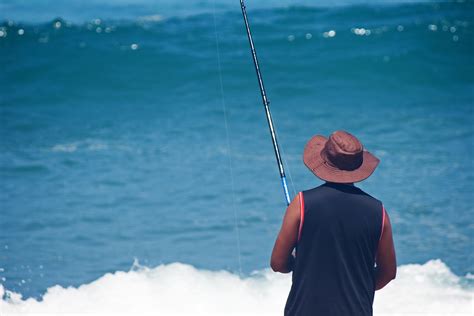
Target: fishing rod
x: 266, y: 104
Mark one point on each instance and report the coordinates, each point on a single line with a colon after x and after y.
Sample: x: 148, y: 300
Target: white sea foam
x: 151, y: 18
x: 86, y: 145
x: 69, y: 148
x: 179, y: 289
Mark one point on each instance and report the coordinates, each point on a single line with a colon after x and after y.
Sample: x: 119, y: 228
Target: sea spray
x: 180, y: 289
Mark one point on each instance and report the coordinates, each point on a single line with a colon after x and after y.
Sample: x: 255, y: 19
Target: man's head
x: 341, y: 158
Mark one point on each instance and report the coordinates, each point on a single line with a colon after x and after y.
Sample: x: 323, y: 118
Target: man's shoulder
x: 331, y: 189
x: 370, y: 196
x: 319, y: 188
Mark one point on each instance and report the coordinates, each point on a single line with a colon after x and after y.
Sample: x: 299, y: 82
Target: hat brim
x: 313, y: 160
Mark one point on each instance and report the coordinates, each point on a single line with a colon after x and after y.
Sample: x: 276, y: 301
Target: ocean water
x: 122, y: 190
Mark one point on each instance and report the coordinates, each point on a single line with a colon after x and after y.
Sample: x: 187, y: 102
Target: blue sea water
x: 114, y: 147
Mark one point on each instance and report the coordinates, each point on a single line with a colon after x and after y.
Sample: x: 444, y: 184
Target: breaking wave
x: 181, y: 289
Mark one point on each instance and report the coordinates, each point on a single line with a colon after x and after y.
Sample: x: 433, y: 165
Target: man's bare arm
x: 386, y: 269
x: 282, y: 258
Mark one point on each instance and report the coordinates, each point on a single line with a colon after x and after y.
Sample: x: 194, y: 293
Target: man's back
x: 334, y: 268
x: 339, y: 233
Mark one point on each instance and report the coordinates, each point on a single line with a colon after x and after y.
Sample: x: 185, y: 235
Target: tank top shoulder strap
x: 383, y: 222
x: 301, y: 198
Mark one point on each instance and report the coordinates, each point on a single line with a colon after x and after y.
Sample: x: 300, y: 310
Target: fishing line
x: 226, y: 123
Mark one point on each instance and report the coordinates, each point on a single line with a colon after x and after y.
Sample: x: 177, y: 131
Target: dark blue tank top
x: 334, y: 270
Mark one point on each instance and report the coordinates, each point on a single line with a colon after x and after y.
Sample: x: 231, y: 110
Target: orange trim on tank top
x: 383, y: 222
x: 301, y: 215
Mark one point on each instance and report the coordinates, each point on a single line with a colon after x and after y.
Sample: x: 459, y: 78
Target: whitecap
x: 151, y: 18
x: 69, y: 148
x: 180, y: 289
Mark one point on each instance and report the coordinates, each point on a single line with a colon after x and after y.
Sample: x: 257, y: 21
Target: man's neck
x: 337, y: 183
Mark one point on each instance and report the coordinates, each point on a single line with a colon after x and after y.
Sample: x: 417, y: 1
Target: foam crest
x: 180, y: 289
x: 87, y: 145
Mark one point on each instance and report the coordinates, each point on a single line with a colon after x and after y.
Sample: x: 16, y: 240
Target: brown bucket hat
x: 341, y: 158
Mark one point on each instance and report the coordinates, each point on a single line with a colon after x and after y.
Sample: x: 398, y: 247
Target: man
x: 342, y: 236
